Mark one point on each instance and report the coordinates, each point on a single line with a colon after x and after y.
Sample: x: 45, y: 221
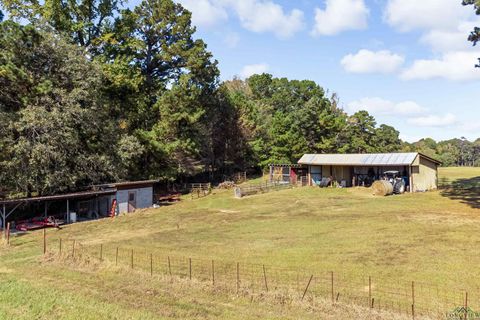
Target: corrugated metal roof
x: 59, y: 196
x: 374, y: 159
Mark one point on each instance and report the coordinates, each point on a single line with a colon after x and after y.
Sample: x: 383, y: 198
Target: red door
x: 293, y: 176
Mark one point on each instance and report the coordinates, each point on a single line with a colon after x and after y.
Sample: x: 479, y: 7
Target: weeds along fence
x: 251, y: 189
x: 413, y: 299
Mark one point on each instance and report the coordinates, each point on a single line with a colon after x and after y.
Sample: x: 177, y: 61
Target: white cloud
x: 366, y: 61
x: 340, y: 15
x: 251, y: 69
x: 254, y: 15
x: 267, y: 16
x: 407, y: 15
x: 205, y: 13
x: 379, y: 106
x: 434, y: 120
x: 450, y: 40
x: 455, y: 66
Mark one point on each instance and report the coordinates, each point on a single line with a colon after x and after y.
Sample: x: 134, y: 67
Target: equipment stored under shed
x: 347, y: 170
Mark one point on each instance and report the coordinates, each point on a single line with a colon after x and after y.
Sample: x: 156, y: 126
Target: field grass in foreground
x: 430, y: 237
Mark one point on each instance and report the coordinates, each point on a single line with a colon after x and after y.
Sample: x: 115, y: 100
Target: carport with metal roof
x: 9, y: 206
x: 356, y: 169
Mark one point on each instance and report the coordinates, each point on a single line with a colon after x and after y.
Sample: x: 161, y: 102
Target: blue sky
x: 408, y: 62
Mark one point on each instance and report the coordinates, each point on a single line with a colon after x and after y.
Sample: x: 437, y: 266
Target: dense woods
x: 93, y: 93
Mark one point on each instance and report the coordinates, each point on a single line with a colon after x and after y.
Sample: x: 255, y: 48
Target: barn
x: 346, y: 170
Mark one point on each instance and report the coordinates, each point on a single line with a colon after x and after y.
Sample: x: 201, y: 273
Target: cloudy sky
x: 407, y: 62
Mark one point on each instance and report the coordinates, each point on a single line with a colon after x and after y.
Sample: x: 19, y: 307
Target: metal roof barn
x: 371, y: 159
x: 345, y: 170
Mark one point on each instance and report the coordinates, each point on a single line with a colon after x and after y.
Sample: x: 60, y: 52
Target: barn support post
x: 410, y: 178
x: 309, y: 175
x: 97, y: 207
x: 5, y: 215
x: 4, y: 212
x: 68, y: 211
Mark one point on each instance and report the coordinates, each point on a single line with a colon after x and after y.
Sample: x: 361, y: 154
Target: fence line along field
x: 425, y: 238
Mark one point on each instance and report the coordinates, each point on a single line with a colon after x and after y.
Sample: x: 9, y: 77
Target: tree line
x: 93, y: 92
x: 452, y: 153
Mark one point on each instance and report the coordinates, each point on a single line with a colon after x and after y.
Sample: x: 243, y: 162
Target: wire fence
x: 413, y: 299
x: 250, y: 189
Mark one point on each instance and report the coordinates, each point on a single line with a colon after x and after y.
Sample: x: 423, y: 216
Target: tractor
x: 396, y: 180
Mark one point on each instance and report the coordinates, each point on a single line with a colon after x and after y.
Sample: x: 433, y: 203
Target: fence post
x: 116, y: 257
x: 169, y: 266
x: 308, y: 285
x: 190, y: 268
x: 60, y: 246
x: 413, y: 300
x: 238, y: 277
x: 213, y: 273
x: 332, y: 291
x: 101, y: 251
x: 73, y: 249
x: 151, y: 264
x: 44, y: 240
x: 265, y: 278
x: 370, y: 289
x: 466, y: 304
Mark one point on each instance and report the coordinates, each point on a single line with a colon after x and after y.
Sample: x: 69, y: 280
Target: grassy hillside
x: 429, y: 238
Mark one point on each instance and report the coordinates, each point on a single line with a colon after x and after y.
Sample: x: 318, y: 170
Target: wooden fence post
x: 169, y: 266
x: 116, y: 257
x: 308, y: 285
x: 332, y: 291
x: 73, y: 249
x: 238, y: 277
x: 151, y: 264
x: 213, y: 273
x: 466, y: 305
x: 265, y: 278
x: 44, y: 241
x: 101, y: 252
x: 370, y: 289
x: 60, y: 246
x: 190, y: 268
x: 413, y: 300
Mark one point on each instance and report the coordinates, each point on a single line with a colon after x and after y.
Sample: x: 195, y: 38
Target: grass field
x: 429, y: 237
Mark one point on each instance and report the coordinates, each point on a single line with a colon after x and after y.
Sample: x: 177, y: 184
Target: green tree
x: 474, y: 36
x: 84, y: 21
x: 360, y: 133
x: 171, y: 88
x: 55, y: 135
x: 387, y: 139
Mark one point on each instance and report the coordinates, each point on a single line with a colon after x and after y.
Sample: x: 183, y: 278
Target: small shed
x: 99, y: 201
x: 419, y: 170
x: 132, y: 195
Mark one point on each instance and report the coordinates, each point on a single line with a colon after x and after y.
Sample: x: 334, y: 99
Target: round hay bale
x: 382, y: 188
